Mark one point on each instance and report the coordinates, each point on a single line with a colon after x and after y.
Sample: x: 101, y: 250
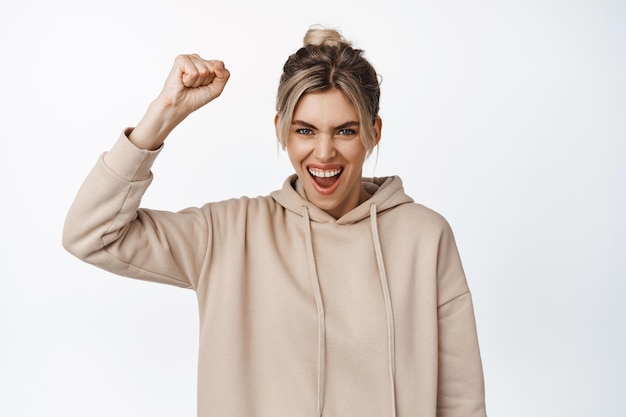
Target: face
x: 325, y: 148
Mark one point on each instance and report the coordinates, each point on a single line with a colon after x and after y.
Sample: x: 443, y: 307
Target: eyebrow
x: 310, y: 126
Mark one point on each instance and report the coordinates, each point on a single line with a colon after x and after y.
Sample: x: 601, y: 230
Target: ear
x: 378, y: 127
x: 277, y: 130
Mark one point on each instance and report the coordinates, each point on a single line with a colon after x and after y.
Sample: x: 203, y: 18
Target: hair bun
x: 324, y: 37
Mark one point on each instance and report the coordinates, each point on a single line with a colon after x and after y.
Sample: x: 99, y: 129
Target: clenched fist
x: 192, y: 83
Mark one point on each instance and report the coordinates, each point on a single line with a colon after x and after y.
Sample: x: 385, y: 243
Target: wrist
x: 157, y: 123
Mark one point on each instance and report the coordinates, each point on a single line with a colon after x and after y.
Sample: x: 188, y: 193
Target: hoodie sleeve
x: 106, y: 228
x: 461, y: 386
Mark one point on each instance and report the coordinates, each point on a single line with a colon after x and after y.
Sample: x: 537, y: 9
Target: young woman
x: 336, y: 295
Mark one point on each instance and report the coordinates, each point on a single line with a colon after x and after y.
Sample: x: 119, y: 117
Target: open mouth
x: 325, y: 178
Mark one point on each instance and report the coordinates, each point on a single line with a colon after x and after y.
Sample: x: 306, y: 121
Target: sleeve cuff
x: 128, y: 161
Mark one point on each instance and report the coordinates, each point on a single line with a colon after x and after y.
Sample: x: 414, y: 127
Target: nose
x: 325, y: 148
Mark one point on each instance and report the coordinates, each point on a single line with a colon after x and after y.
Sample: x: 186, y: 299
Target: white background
x: 508, y: 117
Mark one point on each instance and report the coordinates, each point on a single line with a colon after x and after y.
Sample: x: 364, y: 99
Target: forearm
x: 111, y: 190
x: 157, y: 123
x: 106, y: 228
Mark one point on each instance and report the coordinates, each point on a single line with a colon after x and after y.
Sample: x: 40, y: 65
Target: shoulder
x: 418, y: 215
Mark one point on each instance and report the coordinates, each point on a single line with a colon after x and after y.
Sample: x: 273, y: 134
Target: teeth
x: 324, y: 174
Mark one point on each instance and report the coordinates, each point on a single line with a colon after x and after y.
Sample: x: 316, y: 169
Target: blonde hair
x: 329, y: 61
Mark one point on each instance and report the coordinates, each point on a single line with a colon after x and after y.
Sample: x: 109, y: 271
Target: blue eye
x: 346, y: 132
x: 304, y: 131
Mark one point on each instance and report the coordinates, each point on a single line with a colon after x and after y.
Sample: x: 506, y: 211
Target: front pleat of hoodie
x: 319, y: 303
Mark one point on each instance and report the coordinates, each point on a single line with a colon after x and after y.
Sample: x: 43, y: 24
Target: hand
x: 192, y: 83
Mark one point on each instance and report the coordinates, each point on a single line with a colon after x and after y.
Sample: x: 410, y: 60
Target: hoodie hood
x: 386, y: 193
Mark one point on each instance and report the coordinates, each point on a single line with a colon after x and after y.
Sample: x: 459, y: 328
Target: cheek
x: 354, y: 152
x: 299, y: 149
x: 293, y: 160
x: 295, y: 154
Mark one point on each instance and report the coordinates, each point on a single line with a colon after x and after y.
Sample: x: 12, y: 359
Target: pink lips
x: 325, y: 185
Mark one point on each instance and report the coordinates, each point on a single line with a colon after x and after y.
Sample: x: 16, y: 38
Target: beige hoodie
x: 301, y: 314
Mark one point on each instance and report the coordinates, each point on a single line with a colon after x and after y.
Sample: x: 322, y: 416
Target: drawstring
x: 390, y: 326
x: 321, y: 355
x: 319, y: 304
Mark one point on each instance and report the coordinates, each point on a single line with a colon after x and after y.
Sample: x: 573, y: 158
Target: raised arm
x: 105, y: 225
